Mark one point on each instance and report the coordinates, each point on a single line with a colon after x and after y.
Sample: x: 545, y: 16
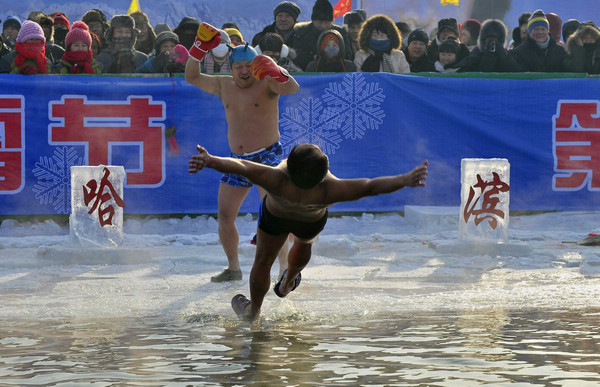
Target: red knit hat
x: 80, y: 32
x: 59, y: 18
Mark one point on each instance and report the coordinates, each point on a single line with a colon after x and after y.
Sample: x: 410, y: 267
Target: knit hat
x: 449, y: 23
x: 233, y: 32
x: 538, y: 18
x: 271, y: 42
x: 163, y: 37
x: 322, y: 10
x: 353, y: 17
x: 450, y: 45
x: 12, y: 21
x: 420, y: 35
x: 241, y: 52
x: 80, y: 32
x: 59, y: 18
x: 122, y: 21
x: 289, y: 7
x: 161, y: 27
x: 30, y: 30
x: 473, y: 26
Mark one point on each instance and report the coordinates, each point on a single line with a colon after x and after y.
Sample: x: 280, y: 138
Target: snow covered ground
x: 367, y: 264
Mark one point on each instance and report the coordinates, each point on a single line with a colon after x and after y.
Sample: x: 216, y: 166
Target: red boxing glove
x: 207, y: 38
x: 263, y: 65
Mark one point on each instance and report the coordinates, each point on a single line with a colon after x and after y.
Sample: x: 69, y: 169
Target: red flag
x: 342, y: 7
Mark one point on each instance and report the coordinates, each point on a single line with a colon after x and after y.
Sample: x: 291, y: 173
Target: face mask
x: 331, y: 51
x: 220, y: 51
x: 60, y: 34
x: 380, y: 44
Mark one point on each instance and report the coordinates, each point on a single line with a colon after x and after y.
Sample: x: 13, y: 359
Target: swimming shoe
x: 296, y: 284
x: 227, y: 275
x: 239, y: 303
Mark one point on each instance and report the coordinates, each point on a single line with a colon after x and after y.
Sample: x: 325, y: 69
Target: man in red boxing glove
x: 207, y: 38
x: 250, y: 96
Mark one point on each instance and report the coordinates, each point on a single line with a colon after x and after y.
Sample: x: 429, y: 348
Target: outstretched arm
x: 266, y: 176
x: 343, y: 190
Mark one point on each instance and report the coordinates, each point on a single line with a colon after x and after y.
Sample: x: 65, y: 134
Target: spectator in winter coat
x: 146, y: 35
x: 120, y: 56
x: 306, y: 34
x: 97, y: 22
x: 10, y: 30
x: 490, y: 55
x: 447, y: 54
x: 286, y: 15
x: 54, y: 52
x: 330, y: 58
x: 469, y: 35
x: 446, y: 28
x: 416, y: 52
x: 78, y: 57
x: 583, y: 50
x: 380, y: 47
x: 169, y: 56
x: 272, y: 45
x: 519, y: 34
x: 539, y: 53
x: 568, y: 28
x: 29, y: 57
x: 353, y: 22
x: 217, y: 59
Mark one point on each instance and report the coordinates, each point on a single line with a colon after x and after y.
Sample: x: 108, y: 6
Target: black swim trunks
x: 274, y: 225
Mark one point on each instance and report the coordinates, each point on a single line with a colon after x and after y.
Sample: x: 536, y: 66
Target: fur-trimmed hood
x: 382, y: 23
x: 492, y: 28
x: 584, y: 29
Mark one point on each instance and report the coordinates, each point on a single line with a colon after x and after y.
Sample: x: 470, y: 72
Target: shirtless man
x: 250, y: 96
x: 299, y: 191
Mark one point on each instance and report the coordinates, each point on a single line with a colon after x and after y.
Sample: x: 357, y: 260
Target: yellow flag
x: 135, y: 7
x: 446, y: 2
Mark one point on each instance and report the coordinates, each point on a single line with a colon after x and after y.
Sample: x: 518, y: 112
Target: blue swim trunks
x: 272, y: 156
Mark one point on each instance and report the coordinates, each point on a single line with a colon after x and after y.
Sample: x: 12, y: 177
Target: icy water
x: 453, y: 348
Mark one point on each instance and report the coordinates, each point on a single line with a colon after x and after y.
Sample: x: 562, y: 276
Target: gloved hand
x: 29, y: 70
x: 263, y: 65
x: 175, y: 67
x: 207, y: 38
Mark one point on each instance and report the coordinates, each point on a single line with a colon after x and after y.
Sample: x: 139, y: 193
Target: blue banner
x: 368, y: 124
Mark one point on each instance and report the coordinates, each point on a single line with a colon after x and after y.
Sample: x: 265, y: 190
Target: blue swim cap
x: 240, y: 53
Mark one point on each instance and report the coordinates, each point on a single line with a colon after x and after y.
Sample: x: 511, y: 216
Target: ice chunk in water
x: 485, y: 194
x: 97, y: 205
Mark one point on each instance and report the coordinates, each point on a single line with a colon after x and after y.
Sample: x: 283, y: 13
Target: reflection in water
x: 464, y: 347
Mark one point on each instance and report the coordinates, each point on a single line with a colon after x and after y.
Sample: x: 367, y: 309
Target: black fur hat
x: 449, y: 23
x: 493, y: 28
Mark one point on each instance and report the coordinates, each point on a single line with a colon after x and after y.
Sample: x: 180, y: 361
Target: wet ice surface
x: 383, y: 300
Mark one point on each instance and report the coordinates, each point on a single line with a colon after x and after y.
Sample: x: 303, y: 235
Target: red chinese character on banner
x: 105, y: 214
x: 12, y: 144
x: 488, y: 190
x: 103, y: 125
x: 577, y: 146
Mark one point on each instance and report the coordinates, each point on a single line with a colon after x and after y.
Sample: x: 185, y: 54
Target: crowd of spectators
x: 541, y: 42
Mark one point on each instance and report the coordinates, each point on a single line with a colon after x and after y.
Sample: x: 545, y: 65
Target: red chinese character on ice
x: 106, y: 213
x: 576, y: 146
x: 101, y: 126
x: 488, y: 190
x: 12, y: 144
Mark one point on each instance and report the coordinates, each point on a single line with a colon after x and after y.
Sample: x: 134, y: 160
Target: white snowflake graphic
x: 351, y: 108
x: 357, y: 104
x: 54, y: 178
x: 310, y: 123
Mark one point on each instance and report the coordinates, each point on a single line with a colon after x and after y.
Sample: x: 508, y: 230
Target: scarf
x: 80, y: 61
x: 374, y: 62
x: 35, y: 51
